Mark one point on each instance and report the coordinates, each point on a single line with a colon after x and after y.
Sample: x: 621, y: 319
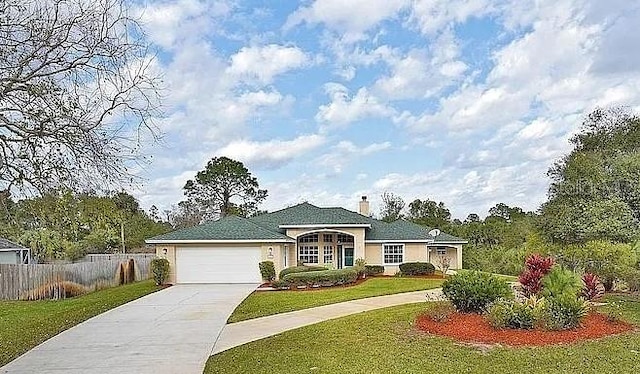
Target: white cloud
x: 262, y: 64
x: 271, y: 154
x: 346, y: 152
x: 350, y: 18
x: 432, y: 16
x: 169, y: 23
x: 345, y: 109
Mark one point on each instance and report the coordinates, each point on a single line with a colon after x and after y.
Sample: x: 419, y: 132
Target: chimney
x: 364, y: 207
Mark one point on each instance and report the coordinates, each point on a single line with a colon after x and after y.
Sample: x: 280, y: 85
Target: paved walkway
x: 239, y: 333
x: 170, y: 331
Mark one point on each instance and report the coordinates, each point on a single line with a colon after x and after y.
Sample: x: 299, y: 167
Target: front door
x: 340, y: 261
x: 348, y: 257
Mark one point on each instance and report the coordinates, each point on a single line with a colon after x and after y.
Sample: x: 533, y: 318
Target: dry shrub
x: 55, y: 290
x: 440, y: 312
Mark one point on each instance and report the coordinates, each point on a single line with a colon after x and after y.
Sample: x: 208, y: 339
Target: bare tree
x: 78, y: 93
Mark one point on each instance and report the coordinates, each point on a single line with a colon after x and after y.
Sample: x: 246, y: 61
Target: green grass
x: 265, y: 303
x: 384, y: 341
x: 25, y: 324
x: 508, y: 278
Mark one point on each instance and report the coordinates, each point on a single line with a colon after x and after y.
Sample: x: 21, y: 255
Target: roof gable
x: 8, y: 244
x: 308, y: 214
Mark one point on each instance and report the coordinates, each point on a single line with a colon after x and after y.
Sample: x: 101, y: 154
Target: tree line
x: 64, y: 225
x: 591, y: 219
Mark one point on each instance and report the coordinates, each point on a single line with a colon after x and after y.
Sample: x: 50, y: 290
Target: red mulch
x: 474, y: 328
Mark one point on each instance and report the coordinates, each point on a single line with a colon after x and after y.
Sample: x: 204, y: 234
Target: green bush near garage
x: 299, y: 269
x: 325, y: 278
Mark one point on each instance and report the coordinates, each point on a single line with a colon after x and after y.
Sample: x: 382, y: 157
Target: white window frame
x: 441, y: 251
x: 324, y: 238
x: 309, y: 238
x: 309, y: 252
x: 327, y: 254
x: 384, y: 247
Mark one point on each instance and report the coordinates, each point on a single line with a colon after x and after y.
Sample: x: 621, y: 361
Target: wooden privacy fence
x: 23, y: 281
x: 118, y: 256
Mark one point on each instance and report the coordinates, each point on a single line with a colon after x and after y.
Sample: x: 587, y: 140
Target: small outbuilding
x: 13, y: 253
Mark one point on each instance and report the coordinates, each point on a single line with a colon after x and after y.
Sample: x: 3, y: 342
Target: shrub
x: 516, y: 315
x: 536, y: 267
x: 561, y: 282
x: 631, y: 277
x: 564, y: 312
x: 417, y: 268
x: 324, y: 278
x: 360, y: 266
x: 299, y: 269
x: 372, y: 270
x: 55, y: 290
x: 160, y: 270
x: 592, y: 288
x: 278, y: 284
x: 474, y: 291
x: 267, y: 270
x: 440, y: 311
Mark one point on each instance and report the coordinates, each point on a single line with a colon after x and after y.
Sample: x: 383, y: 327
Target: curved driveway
x: 170, y: 331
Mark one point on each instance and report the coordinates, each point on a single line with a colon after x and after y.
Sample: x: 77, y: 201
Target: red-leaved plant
x: 536, y: 267
x: 592, y: 288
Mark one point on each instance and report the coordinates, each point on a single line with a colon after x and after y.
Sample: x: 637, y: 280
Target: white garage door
x: 218, y: 265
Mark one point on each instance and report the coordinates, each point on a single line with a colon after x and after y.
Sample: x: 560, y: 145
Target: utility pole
x: 122, y: 235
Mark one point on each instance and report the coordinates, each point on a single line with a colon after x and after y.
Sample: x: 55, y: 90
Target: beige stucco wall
x: 171, y: 256
x: 413, y: 252
x: 264, y: 247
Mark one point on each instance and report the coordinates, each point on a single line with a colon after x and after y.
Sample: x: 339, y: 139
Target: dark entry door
x: 339, y: 257
x: 348, y: 257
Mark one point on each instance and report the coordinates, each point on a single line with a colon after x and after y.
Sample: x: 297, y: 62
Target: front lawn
x: 265, y: 303
x: 384, y: 341
x: 25, y: 324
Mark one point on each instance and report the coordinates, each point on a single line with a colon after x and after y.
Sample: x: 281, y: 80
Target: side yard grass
x: 265, y: 303
x: 508, y: 278
x: 25, y: 324
x: 384, y: 341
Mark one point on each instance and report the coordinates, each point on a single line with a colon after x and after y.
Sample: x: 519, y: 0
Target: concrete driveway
x: 170, y: 331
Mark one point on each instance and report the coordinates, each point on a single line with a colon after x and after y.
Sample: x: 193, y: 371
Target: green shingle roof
x: 267, y: 226
x: 227, y: 228
x: 308, y: 214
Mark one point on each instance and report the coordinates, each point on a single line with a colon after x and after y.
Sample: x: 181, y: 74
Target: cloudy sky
x: 463, y: 101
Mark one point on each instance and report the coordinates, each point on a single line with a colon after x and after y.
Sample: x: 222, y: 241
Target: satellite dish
x: 434, y: 233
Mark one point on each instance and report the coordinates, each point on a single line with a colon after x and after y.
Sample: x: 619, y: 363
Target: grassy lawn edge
x: 25, y: 324
x: 266, y: 303
x: 384, y: 341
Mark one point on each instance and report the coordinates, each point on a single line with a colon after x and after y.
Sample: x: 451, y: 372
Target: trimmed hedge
x: 417, y: 268
x: 299, y: 269
x: 267, y: 270
x: 324, y: 278
x: 372, y: 270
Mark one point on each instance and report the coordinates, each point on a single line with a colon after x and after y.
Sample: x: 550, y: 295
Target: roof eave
x: 216, y: 241
x: 380, y: 241
x: 326, y: 225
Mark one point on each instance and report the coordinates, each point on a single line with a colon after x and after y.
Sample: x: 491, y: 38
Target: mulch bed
x: 474, y: 328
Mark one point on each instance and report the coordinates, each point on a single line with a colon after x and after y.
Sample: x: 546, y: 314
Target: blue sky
x: 463, y: 101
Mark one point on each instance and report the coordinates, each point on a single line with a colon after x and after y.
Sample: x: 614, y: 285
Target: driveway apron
x: 170, y: 331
